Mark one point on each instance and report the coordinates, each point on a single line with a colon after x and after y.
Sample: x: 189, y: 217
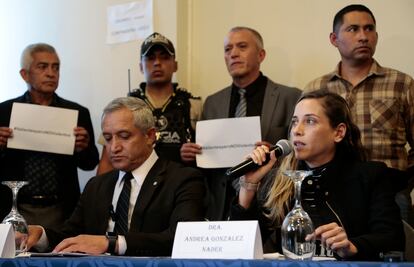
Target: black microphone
x: 282, y: 148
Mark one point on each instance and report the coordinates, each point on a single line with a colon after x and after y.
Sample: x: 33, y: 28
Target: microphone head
x: 285, y: 146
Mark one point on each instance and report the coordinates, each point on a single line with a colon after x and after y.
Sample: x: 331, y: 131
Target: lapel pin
x: 155, y: 183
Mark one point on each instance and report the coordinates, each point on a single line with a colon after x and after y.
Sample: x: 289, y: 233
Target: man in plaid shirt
x: 381, y: 99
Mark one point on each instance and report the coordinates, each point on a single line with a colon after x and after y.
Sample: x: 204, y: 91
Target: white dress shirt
x: 139, y: 176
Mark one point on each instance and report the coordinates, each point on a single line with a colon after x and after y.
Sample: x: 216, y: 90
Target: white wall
x: 296, y: 38
x: 295, y: 33
x: 92, y: 72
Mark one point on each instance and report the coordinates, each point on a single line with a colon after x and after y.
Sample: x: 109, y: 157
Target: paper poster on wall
x: 128, y: 22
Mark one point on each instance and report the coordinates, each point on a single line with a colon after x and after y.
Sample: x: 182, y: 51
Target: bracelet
x: 248, y: 186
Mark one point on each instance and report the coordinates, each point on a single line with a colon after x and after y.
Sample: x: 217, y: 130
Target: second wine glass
x: 16, y: 219
x: 298, y: 241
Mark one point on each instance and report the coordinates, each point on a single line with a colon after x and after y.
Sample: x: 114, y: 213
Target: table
x: 113, y: 261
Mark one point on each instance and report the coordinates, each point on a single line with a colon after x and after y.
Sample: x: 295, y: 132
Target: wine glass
x: 298, y: 241
x: 16, y: 219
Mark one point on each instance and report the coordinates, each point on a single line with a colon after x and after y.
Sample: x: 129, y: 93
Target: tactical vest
x: 173, y: 122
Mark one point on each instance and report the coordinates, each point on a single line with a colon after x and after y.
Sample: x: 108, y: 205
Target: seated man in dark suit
x: 149, y: 204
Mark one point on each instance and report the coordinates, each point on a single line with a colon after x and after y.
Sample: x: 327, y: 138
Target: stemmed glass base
x: 16, y: 219
x: 298, y: 241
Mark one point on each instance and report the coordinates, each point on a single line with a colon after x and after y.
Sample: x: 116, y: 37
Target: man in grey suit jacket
x: 161, y: 194
x: 274, y: 103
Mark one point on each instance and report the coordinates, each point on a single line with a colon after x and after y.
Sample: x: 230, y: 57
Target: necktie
x: 240, y: 112
x: 122, y: 207
x: 242, y: 106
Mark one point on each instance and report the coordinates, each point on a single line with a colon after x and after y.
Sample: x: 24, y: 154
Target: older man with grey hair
x: 134, y: 209
x: 250, y: 94
x: 53, y: 189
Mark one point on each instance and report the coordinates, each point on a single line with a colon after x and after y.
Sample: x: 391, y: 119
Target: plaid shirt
x: 382, y: 106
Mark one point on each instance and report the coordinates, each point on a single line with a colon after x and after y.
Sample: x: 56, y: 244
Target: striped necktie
x: 242, y: 106
x: 241, y: 110
x: 122, y: 207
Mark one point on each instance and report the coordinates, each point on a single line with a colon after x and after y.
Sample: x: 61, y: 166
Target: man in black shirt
x: 53, y: 189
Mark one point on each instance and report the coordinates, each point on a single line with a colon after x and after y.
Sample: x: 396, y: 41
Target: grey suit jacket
x: 278, y: 105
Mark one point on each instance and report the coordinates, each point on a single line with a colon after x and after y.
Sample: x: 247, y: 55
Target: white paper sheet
x: 226, y: 142
x: 128, y: 22
x: 43, y: 128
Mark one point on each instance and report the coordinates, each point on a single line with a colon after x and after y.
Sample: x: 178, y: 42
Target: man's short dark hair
x: 339, y: 17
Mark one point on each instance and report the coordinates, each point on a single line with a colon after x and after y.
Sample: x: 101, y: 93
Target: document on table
x: 43, y: 128
x: 226, y: 142
x: 53, y: 254
x: 278, y: 256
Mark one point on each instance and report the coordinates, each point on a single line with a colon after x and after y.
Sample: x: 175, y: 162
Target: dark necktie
x: 242, y: 106
x: 241, y: 110
x: 122, y: 207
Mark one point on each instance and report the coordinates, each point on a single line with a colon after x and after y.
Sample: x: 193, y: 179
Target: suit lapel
x: 224, y: 106
x: 153, y: 180
x: 269, y: 106
x: 337, y: 178
x: 108, y: 187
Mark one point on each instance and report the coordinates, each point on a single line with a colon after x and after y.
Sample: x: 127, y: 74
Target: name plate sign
x: 218, y: 240
x: 7, y: 243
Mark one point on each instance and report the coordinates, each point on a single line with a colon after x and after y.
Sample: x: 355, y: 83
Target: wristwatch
x: 112, y: 238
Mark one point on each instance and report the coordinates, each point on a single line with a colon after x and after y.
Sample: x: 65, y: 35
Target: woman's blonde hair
x: 279, y: 195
